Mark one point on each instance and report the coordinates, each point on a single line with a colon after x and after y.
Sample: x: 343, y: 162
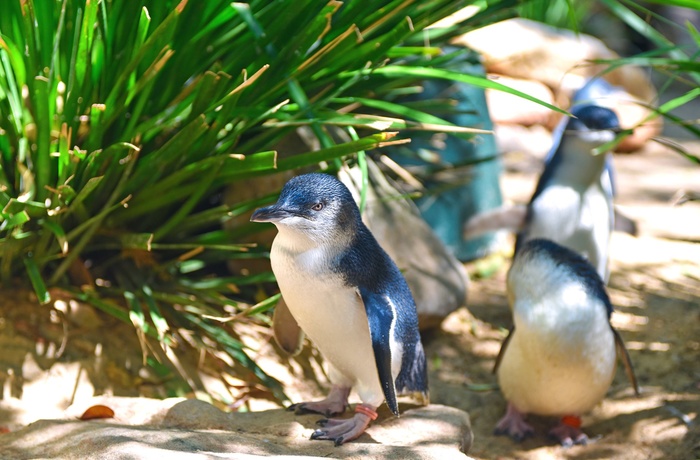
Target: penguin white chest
x: 577, y: 219
x: 561, y: 358
x: 330, y: 312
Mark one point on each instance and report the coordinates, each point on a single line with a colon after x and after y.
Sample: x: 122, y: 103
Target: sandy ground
x: 46, y: 363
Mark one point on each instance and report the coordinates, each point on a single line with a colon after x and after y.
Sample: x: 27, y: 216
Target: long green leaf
x: 37, y: 281
x: 394, y: 71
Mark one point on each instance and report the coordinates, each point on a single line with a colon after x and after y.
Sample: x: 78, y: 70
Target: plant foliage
x: 120, y: 120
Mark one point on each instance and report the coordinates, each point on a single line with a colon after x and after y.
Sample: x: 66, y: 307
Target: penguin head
x: 317, y: 206
x: 593, y: 124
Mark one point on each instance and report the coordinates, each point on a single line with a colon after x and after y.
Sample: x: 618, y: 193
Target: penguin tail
x: 413, y: 378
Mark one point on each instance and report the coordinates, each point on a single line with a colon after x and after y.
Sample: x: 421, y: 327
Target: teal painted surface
x: 461, y: 174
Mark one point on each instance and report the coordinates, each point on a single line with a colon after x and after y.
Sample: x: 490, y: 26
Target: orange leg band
x: 572, y: 421
x: 366, y: 410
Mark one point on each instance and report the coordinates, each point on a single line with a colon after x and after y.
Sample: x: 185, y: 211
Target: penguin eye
x: 317, y: 206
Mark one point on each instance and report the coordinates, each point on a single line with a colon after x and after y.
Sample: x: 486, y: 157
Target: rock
x: 558, y: 58
x: 534, y: 141
x: 189, y: 429
x: 506, y: 108
x: 561, y: 60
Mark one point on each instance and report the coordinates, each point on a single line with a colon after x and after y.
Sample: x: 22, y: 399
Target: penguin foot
x: 568, y: 432
x: 513, y: 424
x: 334, y: 404
x: 343, y: 430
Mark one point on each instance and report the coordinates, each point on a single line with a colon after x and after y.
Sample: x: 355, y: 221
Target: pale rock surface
x: 505, y: 108
x: 192, y: 429
x: 560, y: 59
x: 534, y: 141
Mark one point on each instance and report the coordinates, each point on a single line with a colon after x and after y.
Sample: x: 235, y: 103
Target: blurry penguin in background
x: 560, y: 356
x: 598, y: 91
x: 349, y: 298
x: 586, y: 200
x: 572, y: 204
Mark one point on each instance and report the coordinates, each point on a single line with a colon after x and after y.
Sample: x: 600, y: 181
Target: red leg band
x: 366, y: 410
x: 572, y: 421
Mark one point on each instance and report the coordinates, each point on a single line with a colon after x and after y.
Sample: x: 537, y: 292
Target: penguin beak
x: 270, y: 214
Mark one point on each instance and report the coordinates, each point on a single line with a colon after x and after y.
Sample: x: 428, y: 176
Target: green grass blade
x: 394, y: 71
x: 37, y: 281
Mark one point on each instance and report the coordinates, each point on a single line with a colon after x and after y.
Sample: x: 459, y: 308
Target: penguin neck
x: 295, y: 241
x: 577, y: 165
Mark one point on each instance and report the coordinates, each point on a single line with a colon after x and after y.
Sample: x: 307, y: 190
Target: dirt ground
x: 655, y: 287
x: 46, y: 362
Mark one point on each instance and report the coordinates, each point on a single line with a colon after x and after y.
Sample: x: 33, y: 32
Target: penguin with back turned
x: 559, y: 358
x: 573, y: 201
x: 349, y: 298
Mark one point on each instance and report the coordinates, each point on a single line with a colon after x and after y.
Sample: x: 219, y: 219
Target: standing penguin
x: 573, y: 201
x: 559, y: 358
x: 349, y: 298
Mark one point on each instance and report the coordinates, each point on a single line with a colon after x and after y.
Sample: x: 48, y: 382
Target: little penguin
x: 349, y: 298
x: 559, y: 357
x: 573, y: 201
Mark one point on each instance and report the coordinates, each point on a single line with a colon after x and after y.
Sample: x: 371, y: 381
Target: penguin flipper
x: 626, y: 362
x: 381, y: 313
x: 502, y: 351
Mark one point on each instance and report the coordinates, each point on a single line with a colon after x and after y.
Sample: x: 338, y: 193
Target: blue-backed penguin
x: 559, y: 358
x: 349, y: 298
x: 573, y: 201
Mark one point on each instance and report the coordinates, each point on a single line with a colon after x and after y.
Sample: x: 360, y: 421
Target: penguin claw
x: 515, y: 435
x: 300, y: 409
x: 293, y: 407
x: 342, y: 430
x: 307, y: 408
x: 513, y: 425
x: 569, y: 442
x: 568, y: 435
x: 334, y: 404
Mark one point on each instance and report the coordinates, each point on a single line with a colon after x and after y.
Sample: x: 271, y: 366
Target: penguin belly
x: 558, y: 362
x: 332, y: 315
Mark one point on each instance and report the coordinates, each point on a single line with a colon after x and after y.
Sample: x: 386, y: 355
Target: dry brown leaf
x: 97, y: 411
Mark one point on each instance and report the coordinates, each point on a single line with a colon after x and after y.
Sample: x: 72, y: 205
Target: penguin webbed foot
x: 334, y: 404
x: 568, y: 432
x: 513, y: 424
x: 342, y: 430
x: 306, y: 408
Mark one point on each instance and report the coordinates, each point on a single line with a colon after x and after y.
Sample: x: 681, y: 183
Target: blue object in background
x: 460, y: 172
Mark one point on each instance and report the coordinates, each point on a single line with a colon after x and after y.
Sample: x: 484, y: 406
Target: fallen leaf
x: 98, y: 411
